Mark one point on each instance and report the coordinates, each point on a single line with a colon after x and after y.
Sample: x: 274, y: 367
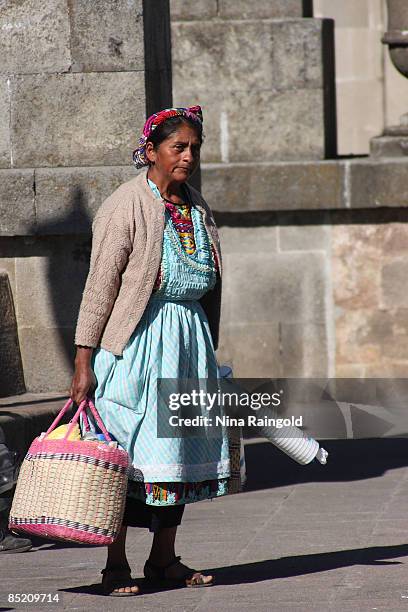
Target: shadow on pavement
x: 299, y: 565
x: 40, y: 544
x: 267, y: 467
x: 284, y: 567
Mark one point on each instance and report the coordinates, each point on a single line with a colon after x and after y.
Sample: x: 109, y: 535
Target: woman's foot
x: 177, y: 573
x: 118, y: 582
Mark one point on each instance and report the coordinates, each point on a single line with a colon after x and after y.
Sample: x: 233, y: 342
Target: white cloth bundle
x: 289, y: 439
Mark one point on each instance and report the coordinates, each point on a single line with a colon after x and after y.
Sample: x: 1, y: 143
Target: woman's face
x: 176, y: 158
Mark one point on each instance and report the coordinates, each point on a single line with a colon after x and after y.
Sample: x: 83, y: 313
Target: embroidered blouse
x: 180, y: 215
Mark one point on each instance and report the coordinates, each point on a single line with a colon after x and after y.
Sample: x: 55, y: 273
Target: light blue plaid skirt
x: 172, y: 340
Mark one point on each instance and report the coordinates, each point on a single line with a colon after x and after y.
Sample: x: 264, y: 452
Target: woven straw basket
x: 71, y: 490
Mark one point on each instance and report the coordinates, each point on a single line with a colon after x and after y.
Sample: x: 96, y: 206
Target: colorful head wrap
x: 139, y: 154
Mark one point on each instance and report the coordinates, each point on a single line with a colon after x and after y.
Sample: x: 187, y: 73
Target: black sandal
x: 191, y: 578
x: 117, y: 578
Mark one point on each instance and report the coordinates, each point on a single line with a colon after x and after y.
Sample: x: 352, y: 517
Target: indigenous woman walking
x: 150, y: 309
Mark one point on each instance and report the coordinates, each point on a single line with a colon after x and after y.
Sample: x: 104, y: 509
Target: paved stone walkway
x: 300, y: 538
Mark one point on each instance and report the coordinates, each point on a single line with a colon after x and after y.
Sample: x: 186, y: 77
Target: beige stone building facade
x: 315, y: 245
x: 315, y: 250
x: 371, y: 93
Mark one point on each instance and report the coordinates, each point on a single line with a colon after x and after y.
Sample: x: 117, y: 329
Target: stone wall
x: 371, y: 93
x: 257, y: 71
x: 73, y: 82
x: 277, y: 304
x: 315, y: 250
x: 62, y: 66
x: 316, y: 293
x: 310, y: 277
x: 370, y: 267
x: 262, y: 74
x: 316, y: 257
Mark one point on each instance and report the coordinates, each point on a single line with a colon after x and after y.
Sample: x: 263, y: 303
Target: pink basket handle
x: 85, y: 420
x: 59, y: 416
x: 98, y: 419
x: 75, y: 418
x: 86, y: 403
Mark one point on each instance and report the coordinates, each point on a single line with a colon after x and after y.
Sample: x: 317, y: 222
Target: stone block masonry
x: 72, y: 77
x: 80, y: 119
x: 59, y: 36
x: 106, y: 36
x: 260, y: 9
x: 299, y: 280
x: 48, y: 201
x: 314, y: 248
x: 278, y: 83
x: 76, y: 80
x: 369, y: 274
x: 307, y: 185
x: 314, y: 264
x: 190, y: 10
x: 17, y: 206
x: 35, y: 37
x: 5, y: 144
x: 318, y: 293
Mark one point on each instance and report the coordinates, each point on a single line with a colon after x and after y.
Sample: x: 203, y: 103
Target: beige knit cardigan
x: 127, y: 238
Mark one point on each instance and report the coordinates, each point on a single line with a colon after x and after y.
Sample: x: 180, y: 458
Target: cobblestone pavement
x: 299, y: 538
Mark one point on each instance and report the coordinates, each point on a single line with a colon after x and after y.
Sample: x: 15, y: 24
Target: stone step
x: 389, y: 146
x: 23, y: 417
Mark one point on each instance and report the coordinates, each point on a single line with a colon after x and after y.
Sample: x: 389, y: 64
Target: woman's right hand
x: 84, y: 377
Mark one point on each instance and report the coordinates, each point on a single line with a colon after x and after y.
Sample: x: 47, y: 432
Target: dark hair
x: 171, y: 125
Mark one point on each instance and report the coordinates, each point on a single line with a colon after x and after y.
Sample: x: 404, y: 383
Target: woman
x: 150, y: 309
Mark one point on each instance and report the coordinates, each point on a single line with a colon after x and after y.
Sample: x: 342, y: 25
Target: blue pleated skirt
x: 172, y: 340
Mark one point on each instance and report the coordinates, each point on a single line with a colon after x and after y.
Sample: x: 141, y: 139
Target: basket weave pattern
x: 71, y: 490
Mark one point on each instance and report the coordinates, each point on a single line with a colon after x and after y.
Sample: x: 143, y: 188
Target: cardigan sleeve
x: 112, y: 240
